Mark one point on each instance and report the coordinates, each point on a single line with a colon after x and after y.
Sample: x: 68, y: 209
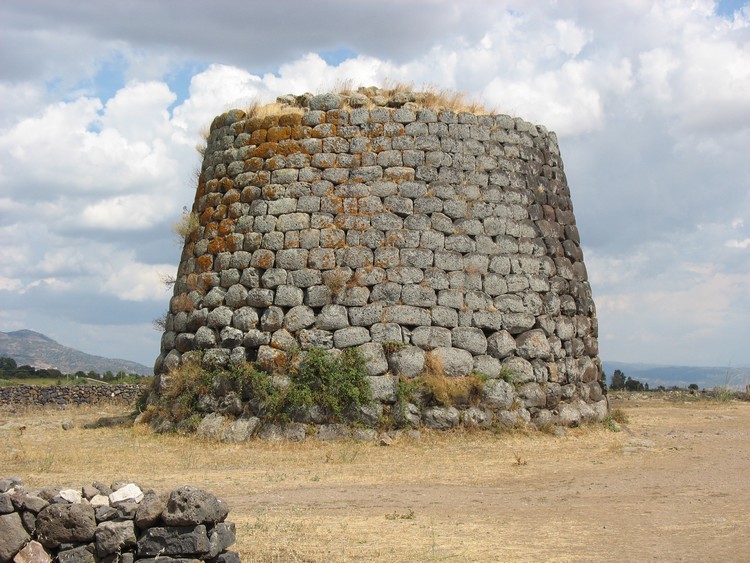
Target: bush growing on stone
x: 337, y: 383
x: 334, y: 382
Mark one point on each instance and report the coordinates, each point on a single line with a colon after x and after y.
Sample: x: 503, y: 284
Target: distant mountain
x: 682, y: 376
x: 31, y: 348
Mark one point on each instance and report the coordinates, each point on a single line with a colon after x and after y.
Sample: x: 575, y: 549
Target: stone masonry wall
x: 415, y: 234
x: 40, y: 395
x: 112, y: 524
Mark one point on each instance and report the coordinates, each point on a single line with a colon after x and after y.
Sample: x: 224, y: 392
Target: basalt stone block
x: 13, y: 536
x: 174, y: 540
x: 65, y: 523
x: 190, y: 506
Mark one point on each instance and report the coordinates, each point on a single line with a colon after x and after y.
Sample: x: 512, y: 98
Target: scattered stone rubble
x: 112, y: 524
x: 362, y: 220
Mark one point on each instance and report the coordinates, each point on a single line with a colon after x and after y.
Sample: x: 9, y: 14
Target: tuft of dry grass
x: 444, y: 390
x: 188, y: 224
x: 272, y: 109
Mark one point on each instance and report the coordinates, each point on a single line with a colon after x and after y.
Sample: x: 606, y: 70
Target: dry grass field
x: 671, y: 486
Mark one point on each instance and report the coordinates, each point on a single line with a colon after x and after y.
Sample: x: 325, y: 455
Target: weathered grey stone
x: 13, y: 535
x: 487, y: 365
x: 533, y: 344
x: 149, y: 510
x: 241, y: 430
x: 441, y: 418
x: 375, y: 360
x: 501, y: 345
x: 260, y: 297
x: 332, y: 317
x: 333, y: 432
x: 221, y: 537
x: 65, y: 523
x: 367, y: 315
x: 431, y: 337
x: 407, y: 361
x: 498, y: 394
x: 82, y: 554
x: 383, y: 388
x: 299, y: 317
x: 6, y: 505
x: 470, y: 339
x: 532, y: 395
x: 211, y: 426
x: 477, y: 417
x: 315, y: 338
x: 568, y: 415
x: 518, y: 369
x: 351, y: 336
x: 272, y: 319
x: 406, y: 315
x: 407, y: 414
x: 174, y: 540
x: 8, y: 483
x: 114, y: 537
x: 453, y: 362
x: 205, y: 338
x: 188, y: 506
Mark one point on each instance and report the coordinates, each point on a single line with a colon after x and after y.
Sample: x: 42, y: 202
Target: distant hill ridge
x: 28, y: 347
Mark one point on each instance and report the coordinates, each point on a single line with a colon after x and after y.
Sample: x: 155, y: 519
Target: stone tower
x: 416, y: 232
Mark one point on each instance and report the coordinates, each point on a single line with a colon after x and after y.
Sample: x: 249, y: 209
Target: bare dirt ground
x: 673, y: 485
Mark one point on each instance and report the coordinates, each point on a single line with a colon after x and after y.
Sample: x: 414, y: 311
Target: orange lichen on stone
x: 276, y: 134
x: 226, y: 184
x: 253, y: 123
x: 290, y: 119
x: 211, y: 230
x: 232, y: 242
x: 254, y: 164
x: 258, y: 136
x: 205, y: 263
x: 274, y: 163
x: 231, y: 197
x: 301, y: 132
x: 236, y: 211
x: 269, y: 121
x: 266, y: 150
x: 226, y: 226
x: 219, y: 213
x: 206, y: 215
x: 335, y: 117
x: 262, y: 259
x: 217, y: 245
x: 288, y: 147
x: 320, y: 133
x: 187, y: 250
x: 205, y: 280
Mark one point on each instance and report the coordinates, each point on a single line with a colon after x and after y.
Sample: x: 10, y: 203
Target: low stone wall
x: 38, y: 395
x: 115, y: 524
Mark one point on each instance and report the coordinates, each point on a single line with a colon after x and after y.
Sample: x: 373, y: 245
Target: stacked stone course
x: 415, y: 234
x: 112, y: 524
x: 41, y: 395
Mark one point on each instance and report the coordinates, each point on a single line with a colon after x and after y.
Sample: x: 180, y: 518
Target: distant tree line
x: 9, y: 369
x: 621, y: 383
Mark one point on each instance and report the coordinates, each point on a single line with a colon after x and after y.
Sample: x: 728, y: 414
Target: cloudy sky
x: 102, y: 104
